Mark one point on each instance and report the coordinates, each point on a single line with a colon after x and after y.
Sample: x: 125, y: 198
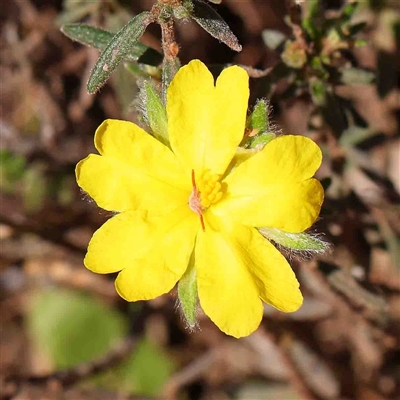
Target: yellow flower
x: 171, y: 203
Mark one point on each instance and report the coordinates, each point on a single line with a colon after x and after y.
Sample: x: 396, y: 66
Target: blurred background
x: 330, y: 70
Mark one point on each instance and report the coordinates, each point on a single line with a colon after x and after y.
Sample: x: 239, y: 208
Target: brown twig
x: 189, y: 374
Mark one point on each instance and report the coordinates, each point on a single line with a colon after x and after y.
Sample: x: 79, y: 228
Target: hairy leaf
x: 100, y: 38
x: 211, y: 21
x: 117, y: 49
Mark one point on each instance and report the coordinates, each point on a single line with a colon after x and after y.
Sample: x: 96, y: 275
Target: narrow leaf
x: 348, y: 11
x: 99, y: 39
x: 310, y: 23
x: 117, y: 49
x: 187, y: 294
x: 211, y: 21
x: 295, y: 241
x: 155, y: 113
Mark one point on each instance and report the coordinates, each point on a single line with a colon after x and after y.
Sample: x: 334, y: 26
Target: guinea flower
x: 172, y: 202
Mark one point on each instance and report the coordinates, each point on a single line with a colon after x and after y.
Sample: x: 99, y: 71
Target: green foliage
x: 258, y: 123
x: 35, y: 187
x: 12, y: 167
x: 187, y: 294
x: 211, y: 22
x: 258, y: 119
x: 295, y: 241
x: 155, y: 113
x: 71, y: 328
x: 99, y: 39
x: 146, y: 371
x: 117, y: 49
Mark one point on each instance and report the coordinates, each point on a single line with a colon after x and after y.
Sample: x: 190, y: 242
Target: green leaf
x: 295, y: 241
x: 35, y: 188
x: 12, y: 166
x: 310, y: 22
x: 211, y: 22
x: 99, y: 39
x: 147, y: 370
x: 318, y: 92
x: 357, y: 76
x: 348, y: 11
x: 187, y: 295
x: 117, y: 49
x: 71, y: 328
x: 155, y: 113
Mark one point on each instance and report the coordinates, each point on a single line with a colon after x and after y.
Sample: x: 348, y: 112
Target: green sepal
x: 259, y: 117
x: 212, y: 22
x: 187, y: 295
x: 100, y: 38
x: 295, y: 241
x: 261, y: 140
x: 155, y: 113
x: 117, y: 49
x: 259, y: 121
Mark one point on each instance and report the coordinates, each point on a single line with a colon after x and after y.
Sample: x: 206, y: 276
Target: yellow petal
x: 129, y: 236
x: 206, y: 122
x: 121, y: 240
x: 273, y: 188
x: 227, y: 290
x: 135, y: 171
x: 235, y: 267
x: 157, y: 271
x: 275, y: 278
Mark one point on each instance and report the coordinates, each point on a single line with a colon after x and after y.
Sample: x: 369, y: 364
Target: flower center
x: 206, y: 191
